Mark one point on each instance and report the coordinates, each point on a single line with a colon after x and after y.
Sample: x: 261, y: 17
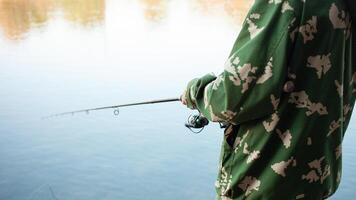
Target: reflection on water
x: 84, y: 12
x: 69, y: 64
x: 17, y: 17
x: 236, y: 9
x: 155, y: 10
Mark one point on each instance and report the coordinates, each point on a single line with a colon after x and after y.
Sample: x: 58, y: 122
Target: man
x: 288, y: 90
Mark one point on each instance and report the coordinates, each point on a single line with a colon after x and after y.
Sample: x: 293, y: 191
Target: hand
x: 183, y: 99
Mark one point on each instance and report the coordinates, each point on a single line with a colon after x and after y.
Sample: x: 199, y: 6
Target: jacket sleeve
x: 256, y: 70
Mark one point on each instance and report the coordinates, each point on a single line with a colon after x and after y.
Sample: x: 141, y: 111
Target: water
x: 59, y: 55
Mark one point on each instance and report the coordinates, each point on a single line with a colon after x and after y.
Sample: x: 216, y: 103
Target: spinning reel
x: 196, y: 122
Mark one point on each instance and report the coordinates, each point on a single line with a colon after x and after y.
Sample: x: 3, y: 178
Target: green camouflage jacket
x: 288, y: 88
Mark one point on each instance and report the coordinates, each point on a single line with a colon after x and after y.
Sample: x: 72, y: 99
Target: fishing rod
x: 116, y: 111
x: 194, y: 121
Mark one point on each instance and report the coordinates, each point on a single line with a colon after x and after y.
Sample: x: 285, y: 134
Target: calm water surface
x: 59, y: 55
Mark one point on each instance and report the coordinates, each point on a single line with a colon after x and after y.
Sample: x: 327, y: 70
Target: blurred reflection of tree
x: 84, y: 12
x: 236, y: 9
x: 17, y: 17
x: 155, y: 10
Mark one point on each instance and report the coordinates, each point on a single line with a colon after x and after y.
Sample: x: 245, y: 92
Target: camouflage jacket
x: 288, y: 88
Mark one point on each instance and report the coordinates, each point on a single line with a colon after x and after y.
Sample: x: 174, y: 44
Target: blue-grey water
x: 60, y: 55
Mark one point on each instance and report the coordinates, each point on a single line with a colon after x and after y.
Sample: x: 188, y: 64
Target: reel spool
x: 196, y: 122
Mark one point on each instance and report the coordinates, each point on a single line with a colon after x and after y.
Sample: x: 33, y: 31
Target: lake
x: 63, y: 55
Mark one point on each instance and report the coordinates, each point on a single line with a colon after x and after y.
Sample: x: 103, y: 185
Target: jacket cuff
x: 195, y: 88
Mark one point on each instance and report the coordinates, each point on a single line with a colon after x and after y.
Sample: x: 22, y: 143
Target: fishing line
x: 39, y: 188
x: 52, y: 193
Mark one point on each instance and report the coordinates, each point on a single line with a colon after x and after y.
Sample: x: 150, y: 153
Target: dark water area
x: 62, y: 55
